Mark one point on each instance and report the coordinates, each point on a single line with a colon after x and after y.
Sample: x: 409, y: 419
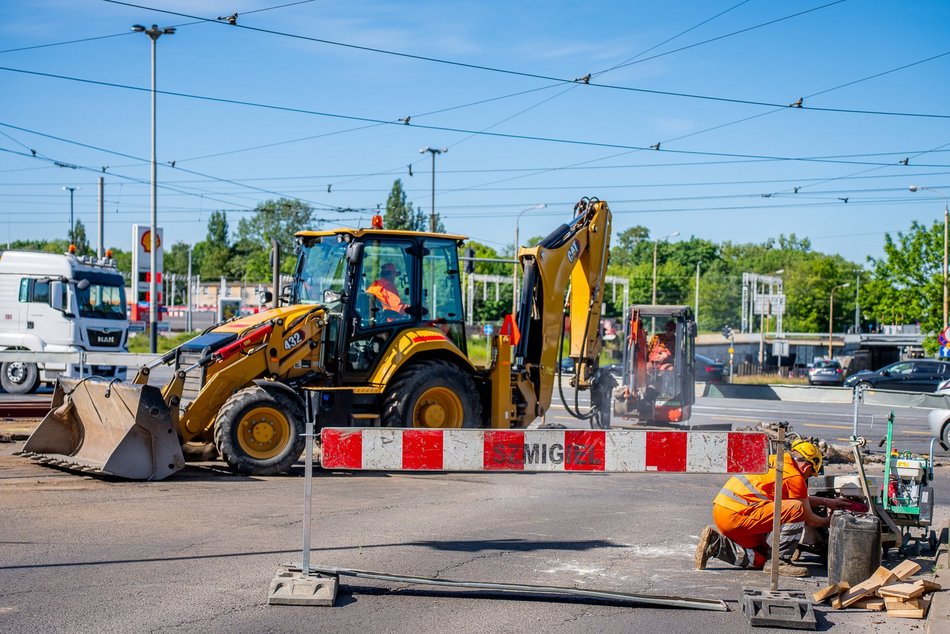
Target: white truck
x: 59, y: 303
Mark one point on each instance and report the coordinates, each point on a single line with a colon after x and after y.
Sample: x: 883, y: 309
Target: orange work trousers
x: 750, y: 527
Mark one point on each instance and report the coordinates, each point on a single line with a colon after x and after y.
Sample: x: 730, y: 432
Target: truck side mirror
x: 56, y: 295
x: 82, y: 284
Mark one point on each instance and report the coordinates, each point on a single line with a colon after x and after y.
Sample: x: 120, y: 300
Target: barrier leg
x: 293, y: 585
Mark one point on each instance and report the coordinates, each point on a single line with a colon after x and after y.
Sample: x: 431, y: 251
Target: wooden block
x: 901, y: 604
x: 884, y: 576
x: 858, y: 592
x: 905, y: 569
x: 874, y: 604
x: 902, y: 590
x: 911, y: 613
x: 828, y: 592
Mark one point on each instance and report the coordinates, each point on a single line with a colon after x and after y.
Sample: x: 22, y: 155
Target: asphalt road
x: 198, y: 551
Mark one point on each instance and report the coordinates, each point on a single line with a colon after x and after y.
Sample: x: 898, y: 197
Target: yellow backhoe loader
x: 371, y: 334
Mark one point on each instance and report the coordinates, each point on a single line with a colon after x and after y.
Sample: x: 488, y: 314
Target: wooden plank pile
x: 886, y: 589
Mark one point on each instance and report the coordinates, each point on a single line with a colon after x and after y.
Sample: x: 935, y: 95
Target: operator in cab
x: 744, y: 509
x: 384, y: 289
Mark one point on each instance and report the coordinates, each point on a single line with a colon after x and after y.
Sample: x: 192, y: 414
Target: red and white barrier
x: 538, y: 450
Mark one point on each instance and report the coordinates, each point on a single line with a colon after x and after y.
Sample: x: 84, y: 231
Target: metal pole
x: 777, y: 506
x: 946, y: 236
x: 831, y: 314
x: 655, y: 243
x: 307, y: 492
x: 153, y: 222
x: 514, y: 274
x: 69, y: 235
x: 696, y: 307
x: 188, y: 320
x: 100, y: 250
x: 432, y: 211
x: 857, y: 305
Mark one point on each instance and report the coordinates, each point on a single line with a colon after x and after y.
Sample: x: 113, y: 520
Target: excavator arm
x: 569, y: 264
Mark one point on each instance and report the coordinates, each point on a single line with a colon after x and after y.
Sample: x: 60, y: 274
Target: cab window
x: 386, y: 285
x: 442, y: 289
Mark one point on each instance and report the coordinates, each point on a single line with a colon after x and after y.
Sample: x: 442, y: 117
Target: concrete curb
x: 938, y: 620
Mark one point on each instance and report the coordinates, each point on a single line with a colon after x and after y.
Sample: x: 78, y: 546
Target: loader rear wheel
x: 259, y: 432
x: 18, y: 377
x: 432, y: 394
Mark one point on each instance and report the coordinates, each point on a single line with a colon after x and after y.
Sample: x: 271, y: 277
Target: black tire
x: 18, y: 377
x: 260, y: 432
x: 431, y: 394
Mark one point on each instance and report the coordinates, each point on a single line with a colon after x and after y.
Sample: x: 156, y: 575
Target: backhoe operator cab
x: 394, y: 320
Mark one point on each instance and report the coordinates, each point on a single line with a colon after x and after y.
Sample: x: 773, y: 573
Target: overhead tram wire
x: 135, y: 158
x: 537, y: 75
x: 523, y: 137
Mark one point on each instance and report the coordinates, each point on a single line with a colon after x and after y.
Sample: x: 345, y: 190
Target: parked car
x: 939, y: 421
x: 923, y: 375
x: 826, y: 372
x: 708, y: 370
x: 567, y: 365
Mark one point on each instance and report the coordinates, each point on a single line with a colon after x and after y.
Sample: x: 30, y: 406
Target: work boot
x: 707, y: 547
x: 786, y: 569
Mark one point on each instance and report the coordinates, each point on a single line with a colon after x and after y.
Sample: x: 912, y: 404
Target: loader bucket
x: 100, y: 426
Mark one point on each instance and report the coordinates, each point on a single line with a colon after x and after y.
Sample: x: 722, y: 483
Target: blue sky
x: 492, y: 82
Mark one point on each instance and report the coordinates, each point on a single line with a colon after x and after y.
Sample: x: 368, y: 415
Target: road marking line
x: 826, y: 426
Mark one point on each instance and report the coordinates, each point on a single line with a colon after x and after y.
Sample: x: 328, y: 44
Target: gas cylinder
x: 854, y: 547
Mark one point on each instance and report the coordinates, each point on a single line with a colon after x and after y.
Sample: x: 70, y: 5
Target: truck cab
x: 59, y: 303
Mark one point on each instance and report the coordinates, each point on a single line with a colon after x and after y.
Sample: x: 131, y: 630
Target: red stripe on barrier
x: 342, y: 449
x: 422, y: 449
x: 584, y: 450
x: 747, y: 453
x: 666, y: 451
x: 504, y: 450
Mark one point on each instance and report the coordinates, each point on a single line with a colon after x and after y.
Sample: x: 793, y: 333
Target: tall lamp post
x: 946, y: 234
x: 153, y: 34
x: 514, y: 273
x: 433, y: 152
x: 831, y: 314
x: 72, y: 224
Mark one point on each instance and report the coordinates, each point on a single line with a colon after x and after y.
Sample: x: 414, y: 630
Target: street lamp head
x: 674, y: 234
x: 913, y: 188
x: 169, y: 30
x: 138, y: 28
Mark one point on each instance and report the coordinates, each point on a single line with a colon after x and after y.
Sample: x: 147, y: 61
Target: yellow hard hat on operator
x: 809, y: 452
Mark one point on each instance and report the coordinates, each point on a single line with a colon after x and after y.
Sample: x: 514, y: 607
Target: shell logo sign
x: 146, y: 241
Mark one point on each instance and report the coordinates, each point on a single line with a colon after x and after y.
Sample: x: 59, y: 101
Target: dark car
x: 825, y: 372
x: 708, y: 370
x: 922, y: 375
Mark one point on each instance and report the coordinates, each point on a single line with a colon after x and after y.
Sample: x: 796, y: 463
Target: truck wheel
x: 432, y: 394
x: 259, y: 432
x: 18, y: 377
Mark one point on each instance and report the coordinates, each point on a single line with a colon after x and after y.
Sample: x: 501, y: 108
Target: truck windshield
x: 104, y: 298
x: 320, y: 269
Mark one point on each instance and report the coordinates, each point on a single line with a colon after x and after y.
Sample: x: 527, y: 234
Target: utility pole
x: 433, y: 152
x: 153, y: 34
x: 100, y: 249
x: 188, y: 325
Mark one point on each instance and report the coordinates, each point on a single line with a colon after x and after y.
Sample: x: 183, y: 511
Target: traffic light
x: 470, y: 260
x: 727, y: 332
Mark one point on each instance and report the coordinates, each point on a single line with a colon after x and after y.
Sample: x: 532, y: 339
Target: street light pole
x: 153, y: 34
x: 433, y: 152
x: 514, y: 273
x: 946, y: 240
x: 831, y: 314
x: 72, y: 224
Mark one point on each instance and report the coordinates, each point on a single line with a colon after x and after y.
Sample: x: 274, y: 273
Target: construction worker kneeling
x: 744, y: 509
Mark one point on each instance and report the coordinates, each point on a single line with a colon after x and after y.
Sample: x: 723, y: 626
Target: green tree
x: 77, y: 237
x: 278, y: 219
x: 907, y: 283
x: 400, y: 214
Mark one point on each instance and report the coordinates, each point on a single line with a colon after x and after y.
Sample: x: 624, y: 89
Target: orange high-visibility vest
x: 743, y: 491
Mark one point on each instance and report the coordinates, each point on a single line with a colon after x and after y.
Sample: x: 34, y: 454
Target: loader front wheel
x: 18, y: 377
x: 432, y: 394
x: 259, y: 432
